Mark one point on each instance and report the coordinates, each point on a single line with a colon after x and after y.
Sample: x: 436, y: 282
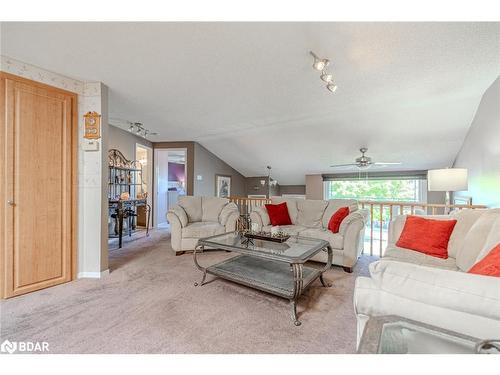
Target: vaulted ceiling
x: 248, y: 93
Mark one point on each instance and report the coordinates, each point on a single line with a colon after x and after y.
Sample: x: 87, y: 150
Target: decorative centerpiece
x: 275, y: 236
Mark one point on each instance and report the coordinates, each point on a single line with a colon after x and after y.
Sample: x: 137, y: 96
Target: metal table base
x: 286, y: 280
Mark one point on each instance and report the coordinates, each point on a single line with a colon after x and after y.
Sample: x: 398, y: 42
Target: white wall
x: 161, y: 171
x: 92, y: 166
x: 480, y: 153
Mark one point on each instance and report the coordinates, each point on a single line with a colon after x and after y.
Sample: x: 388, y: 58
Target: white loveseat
x: 197, y: 217
x: 310, y: 219
x: 437, y: 291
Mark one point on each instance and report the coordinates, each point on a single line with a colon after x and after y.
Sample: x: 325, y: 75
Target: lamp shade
x: 449, y: 179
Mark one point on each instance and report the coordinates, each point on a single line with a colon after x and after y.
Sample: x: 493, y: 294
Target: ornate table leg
x: 148, y: 210
x: 327, y: 267
x: 298, y: 283
x: 120, y: 224
x: 204, y: 270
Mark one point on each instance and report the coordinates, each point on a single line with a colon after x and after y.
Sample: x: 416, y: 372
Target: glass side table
x: 396, y: 335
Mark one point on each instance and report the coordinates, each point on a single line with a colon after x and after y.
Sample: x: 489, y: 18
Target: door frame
x: 74, y: 173
x: 155, y: 175
x: 150, y: 180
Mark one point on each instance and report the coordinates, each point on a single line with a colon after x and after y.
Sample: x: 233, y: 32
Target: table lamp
x: 449, y: 179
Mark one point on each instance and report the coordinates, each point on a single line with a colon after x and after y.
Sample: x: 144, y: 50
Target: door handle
x: 11, y: 202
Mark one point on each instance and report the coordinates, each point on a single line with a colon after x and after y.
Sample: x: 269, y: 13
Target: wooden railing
x: 246, y: 205
x: 380, y: 214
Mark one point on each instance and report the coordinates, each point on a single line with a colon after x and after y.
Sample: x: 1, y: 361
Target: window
x: 387, y: 187
x: 407, y: 190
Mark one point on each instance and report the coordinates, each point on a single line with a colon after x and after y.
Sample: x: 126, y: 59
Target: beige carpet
x: 148, y: 304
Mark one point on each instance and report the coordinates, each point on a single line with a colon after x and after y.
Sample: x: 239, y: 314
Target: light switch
x: 199, y: 177
x: 90, y: 145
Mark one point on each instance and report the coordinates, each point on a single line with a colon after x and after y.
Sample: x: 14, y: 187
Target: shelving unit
x: 124, y: 177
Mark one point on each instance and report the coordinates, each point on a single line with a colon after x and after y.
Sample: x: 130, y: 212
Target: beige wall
x: 207, y: 165
x: 314, y: 186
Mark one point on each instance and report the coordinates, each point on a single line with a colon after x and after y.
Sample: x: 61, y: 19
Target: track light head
x: 326, y: 77
x: 331, y: 87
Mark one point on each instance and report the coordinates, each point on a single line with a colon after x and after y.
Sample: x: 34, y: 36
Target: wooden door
x: 38, y: 173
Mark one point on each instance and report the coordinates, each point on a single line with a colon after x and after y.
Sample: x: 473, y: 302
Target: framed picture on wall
x: 222, y: 186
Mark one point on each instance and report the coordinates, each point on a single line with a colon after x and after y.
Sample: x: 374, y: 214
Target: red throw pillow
x: 278, y: 214
x: 428, y: 236
x: 336, y: 219
x: 489, y: 265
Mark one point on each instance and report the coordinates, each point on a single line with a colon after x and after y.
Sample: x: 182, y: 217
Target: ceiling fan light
x: 331, y: 87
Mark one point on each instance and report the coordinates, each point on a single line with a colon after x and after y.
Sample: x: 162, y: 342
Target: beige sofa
x: 437, y: 291
x: 310, y: 219
x: 197, y: 217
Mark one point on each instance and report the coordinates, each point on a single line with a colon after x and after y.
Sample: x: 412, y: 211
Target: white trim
x: 93, y: 275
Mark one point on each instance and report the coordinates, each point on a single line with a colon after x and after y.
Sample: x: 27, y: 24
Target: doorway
x: 170, y: 181
x: 144, y: 155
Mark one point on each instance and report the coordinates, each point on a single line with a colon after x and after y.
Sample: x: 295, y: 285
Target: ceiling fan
x: 363, y: 162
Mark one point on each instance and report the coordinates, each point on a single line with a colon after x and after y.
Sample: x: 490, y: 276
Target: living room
x: 250, y: 187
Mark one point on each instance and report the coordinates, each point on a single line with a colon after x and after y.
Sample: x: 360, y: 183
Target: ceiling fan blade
x: 381, y: 163
x: 343, y: 165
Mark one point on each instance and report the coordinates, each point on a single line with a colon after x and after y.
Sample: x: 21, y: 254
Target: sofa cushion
x: 278, y: 214
x: 465, y: 220
x: 337, y: 218
x: 492, y: 240
x: 292, y: 230
x: 202, y: 229
x: 409, y: 256
x: 334, y: 205
x: 192, y: 206
x: 310, y: 212
x: 460, y: 291
x: 475, y: 239
x: 291, y: 204
x: 428, y: 236
x: 211, y: 208
x: 336, y: 240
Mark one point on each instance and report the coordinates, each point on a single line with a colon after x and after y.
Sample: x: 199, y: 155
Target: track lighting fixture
x: 321, y: 64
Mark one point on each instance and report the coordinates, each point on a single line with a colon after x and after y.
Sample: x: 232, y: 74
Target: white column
x: 92, y: 187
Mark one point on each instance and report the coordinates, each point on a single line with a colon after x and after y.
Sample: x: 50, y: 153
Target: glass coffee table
x: 276, y: 268
x: 392, y: 334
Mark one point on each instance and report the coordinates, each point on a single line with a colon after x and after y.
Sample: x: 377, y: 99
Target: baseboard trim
x: 93, y: 275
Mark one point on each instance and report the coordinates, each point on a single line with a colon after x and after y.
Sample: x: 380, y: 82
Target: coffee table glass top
x: 295, y: 249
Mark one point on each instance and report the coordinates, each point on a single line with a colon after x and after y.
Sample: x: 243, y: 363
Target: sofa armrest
x: 259, y: 215
x: 232, y: 221
x: 360, y: 215
x: 255, y: 218
x: 353, y: 233
x: 455, y: 290
x: 177, y: 213
x: 228, y: 210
